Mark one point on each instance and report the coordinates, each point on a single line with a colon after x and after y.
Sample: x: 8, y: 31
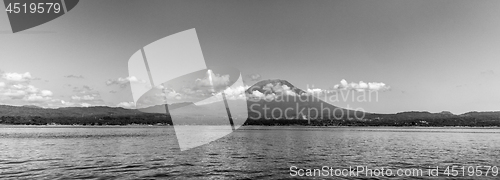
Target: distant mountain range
x: 279, y: 107
x: 23, y: 111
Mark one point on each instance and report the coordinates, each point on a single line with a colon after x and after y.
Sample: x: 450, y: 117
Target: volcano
x: 279, y: 99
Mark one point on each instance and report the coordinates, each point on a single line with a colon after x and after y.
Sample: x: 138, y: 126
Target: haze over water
x: 252, y: 152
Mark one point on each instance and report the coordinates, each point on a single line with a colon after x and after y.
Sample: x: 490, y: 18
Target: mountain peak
x: 273, y: 86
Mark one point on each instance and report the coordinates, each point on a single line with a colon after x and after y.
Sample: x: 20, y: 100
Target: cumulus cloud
x: 74, y: 76
x: 124, y: 82
x: 315, y: 91
x: 46, y: 93
x: 213, y: 80
x: 237, y: 92
x: 259, y: 95
x: 362, y: 86
x: 15, y: 88
x: 17, y: 77
x: 272, y: 92
x: 27, y: 93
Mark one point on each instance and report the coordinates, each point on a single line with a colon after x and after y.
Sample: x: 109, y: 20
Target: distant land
x: 257, y: 115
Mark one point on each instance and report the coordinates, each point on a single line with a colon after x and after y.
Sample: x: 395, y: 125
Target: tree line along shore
x: 162, y: 119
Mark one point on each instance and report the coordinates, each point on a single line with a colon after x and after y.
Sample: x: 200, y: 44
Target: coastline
x: 244, y: 126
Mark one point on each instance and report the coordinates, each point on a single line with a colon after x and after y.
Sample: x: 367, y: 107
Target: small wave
x: 239, y: 157
x: 186, y: 164
x: 82, y: 167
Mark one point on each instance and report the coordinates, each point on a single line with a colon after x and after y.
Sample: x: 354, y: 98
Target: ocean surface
x: 253, y: 152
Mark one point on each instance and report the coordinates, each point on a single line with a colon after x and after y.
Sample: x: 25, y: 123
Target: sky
x: 435, y: 56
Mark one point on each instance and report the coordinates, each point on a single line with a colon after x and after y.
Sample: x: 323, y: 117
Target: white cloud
x: 278, y: 89
x: 217, y: 81
x: 17, y: 77
x: 15, y: 89
x: 83, y: 98
x: 124, y: 82
x: 236, y: 92
x: 362, y: 86
x: 272, y: 92
x: 258, y: 94
x: 46, y: 93
x: 27, y: 93
x: 377, y: 86
x: 314, y: 91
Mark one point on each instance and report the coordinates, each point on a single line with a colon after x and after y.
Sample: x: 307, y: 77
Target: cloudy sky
x: 422, y: 55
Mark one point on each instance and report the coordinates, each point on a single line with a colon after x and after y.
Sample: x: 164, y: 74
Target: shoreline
x: 242, y: 127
